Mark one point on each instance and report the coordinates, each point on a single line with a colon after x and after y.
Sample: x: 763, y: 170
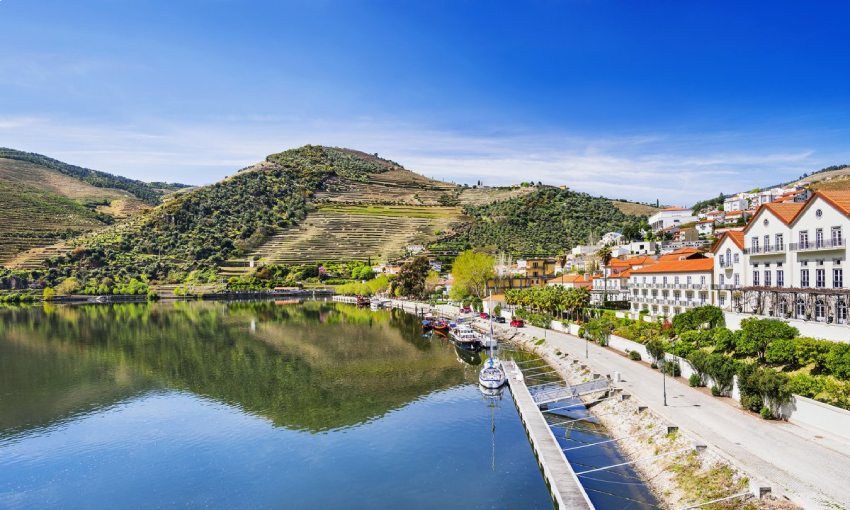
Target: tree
x: 757, y: 335
x: 604, y: 255
x: 68, y: 286
x: 411, y: 278
x: 470, y: 271
x: 431, y: 281
x: 655, y: 348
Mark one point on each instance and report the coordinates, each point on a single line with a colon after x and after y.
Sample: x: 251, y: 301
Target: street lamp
x: 664, y: 377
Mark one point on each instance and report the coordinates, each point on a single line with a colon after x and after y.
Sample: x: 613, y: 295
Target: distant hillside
x: 316, y: 204
x: 43, y: 201
x: 546, y: 221
x: 145, y: 192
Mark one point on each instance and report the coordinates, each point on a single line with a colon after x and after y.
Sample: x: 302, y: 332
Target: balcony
x: 826, y: 244
x: 765, y: 250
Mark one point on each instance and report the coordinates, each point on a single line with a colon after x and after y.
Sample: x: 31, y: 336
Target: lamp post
x: 664, y: 377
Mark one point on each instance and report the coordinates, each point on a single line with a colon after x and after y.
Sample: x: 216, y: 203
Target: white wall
x: 834, y: 332
x: 811, y: 413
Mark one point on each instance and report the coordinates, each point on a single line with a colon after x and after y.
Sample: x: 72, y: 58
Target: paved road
x: 810, y: 468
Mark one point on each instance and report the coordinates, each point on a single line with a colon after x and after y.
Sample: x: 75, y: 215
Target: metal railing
x: 763, y: 250
x: 824, y: 244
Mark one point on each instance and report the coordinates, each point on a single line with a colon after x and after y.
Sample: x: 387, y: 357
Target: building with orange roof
x: 671, y: 286
x: 571, y: 281
x: 788, y: 262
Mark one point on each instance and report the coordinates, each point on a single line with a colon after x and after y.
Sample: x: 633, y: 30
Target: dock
x: 564, y: 485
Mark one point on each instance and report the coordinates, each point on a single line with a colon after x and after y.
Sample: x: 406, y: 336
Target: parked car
x: 517, y: 323
x: 500, y: 319
x: 466, y: 309
x: 484, y: 315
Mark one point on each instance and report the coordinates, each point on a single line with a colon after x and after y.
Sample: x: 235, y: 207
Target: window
x: 736, y: 258
x: 766, y: 242
x: 841, y: 309
x: 702, y: 280
x: 804, y: 239
x: 654, y: 280
x: 721, y: 280
x: 780, y: 243
x: 804, y: 278
x: 767, y: 278
x: 644, y: 279
x: 837, y: 240
x: 737, y: 280
x: 818, y: 237
x: 754, y: 244
x: 689, y: 279
x: 800, y: 308
x: 838, y: 278
x: 780, y: 278
x: 676, y: 280
x: 728, y: 256
x: 756, y: 278
x: 820, y: 278
x: 722, y: 261
x: 722, y: 300
x: 820, y: 310
x: 664, y: 280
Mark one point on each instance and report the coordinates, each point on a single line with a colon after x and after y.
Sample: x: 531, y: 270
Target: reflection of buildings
x: 789, y: 261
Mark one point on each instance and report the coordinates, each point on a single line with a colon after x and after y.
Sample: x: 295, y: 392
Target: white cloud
x: 677, y: 169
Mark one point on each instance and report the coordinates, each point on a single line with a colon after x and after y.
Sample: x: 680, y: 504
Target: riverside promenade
x: 809, y: 467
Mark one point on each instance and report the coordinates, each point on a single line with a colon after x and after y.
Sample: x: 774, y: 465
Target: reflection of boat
x: 466, y: 338
x: 468, y: 357
x: 492, y: 392
x: 377, y: 303
x: 362, y: 301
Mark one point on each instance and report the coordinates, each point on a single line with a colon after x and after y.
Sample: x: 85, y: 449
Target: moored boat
x: 466, y: 338
x: 492, y: 376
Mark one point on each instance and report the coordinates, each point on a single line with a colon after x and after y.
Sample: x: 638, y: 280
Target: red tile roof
x: 840, y: 199
x: 678, y: 266
x: 737, y: 237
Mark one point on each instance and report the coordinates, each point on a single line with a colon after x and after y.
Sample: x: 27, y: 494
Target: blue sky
x: 672, y: 100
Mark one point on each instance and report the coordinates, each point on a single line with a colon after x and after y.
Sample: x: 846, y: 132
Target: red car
x: 517, y: 323
x: 466, y: 309
x: 484, y: 315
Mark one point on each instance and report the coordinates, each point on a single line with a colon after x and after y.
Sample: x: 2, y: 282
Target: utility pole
x: 664, y: 377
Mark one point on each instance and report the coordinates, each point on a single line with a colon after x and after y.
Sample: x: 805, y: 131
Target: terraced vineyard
x: 396, y: 187
x: 33, y: 218
x: 352, y: 232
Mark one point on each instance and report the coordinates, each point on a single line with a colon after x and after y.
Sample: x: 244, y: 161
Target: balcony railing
x: 766, y: 249
x: 826, y: 244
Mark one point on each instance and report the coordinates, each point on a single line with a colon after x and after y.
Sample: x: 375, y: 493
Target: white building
x: 642, y: 247
x: 671, y: 217
x: 705, y: 227
x: 670, y: 287
x: 736, y: 203
x: 789, y: 261
x: 611, y: 238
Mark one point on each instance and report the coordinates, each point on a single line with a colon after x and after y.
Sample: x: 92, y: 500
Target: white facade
x: 617, y: 289
x: 671, y: 217
x: 736, y: 203
x: 611, y: 238
x: 705, y: 228
x: 642, y: 247
x: 792, y: 265
x: 668, y: 294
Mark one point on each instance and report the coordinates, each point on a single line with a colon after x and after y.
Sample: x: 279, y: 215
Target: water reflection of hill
x: 314, y: 366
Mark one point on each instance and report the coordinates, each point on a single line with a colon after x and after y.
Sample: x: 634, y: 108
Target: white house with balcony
x: 670, y: 287
x: 789, y: 263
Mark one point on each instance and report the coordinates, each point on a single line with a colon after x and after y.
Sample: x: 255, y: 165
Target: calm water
x: 249, y: 405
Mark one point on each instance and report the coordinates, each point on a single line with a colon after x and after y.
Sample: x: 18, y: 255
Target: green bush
x: 716, y: 391
x: 634, y: 355
x: 656, y: 349
x: 697, y: 318
x: 757, y: 335
x: 782, y: 352
x: 722, y: 371
x: 671, y: 368
x: 811, y: 351
x: 838, y: 361
x: 694, y: 380
x: 766, y: 414
x: 724, y: 340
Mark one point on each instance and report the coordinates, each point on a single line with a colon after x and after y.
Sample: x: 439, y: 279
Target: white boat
x: 492, y: 376
x: 376, y: 304
x: 489, y: 342
x: 466, y: 338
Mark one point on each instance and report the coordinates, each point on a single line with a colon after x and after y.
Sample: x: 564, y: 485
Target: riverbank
x: 678, y: 480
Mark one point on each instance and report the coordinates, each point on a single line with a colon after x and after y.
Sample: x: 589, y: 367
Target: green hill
x: 546, y: 221
x: 44, y: 201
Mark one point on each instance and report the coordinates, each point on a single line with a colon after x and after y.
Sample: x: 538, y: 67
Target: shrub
x: 724, y: 340
x: 694, y: 380
x: 634, y: 355
x: 763, y: 388
x: 716, y: 391
x: 838, y: 361
x: 671, y: 368
x: 722, y: 371
x: 699, y: 360
x: 698, y: 318
x: 766, y: 414
x: 782, y: 352
x: 811, y: 351
x: 655, y: 348
x: 806, y: 385
x: 757, y: 335
x: 48, y: 294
